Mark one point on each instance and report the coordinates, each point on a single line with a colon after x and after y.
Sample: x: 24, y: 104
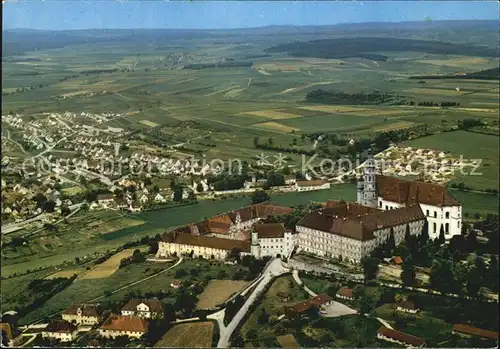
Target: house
x: 159, y: 198
x: 180, y: 242
x: 316, y: 303
x: 144, y: 308
x: 471, y: 331
x: 397, y: 260
x: 284, y: 296
x: 105, y: 199
x: 345, y: 293
x: 13, y: 335
x: 441, y: 208
x: 393, y: 336
x: 407, y: 307
x: 312, y: 185
x: 120, y: 325
x: 83, y: 314
x: 176, y: 284
x: 60, y: 329
x: 143, y: 199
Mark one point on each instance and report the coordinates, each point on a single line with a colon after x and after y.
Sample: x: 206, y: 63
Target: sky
x: 113, y: 14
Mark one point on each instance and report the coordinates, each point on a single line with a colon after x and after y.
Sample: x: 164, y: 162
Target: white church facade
x: 441, y: 209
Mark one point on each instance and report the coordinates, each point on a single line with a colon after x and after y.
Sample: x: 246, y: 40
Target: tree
x: 472, y: 240
x: 391, y: 242
x: 407, y: 234
x: 260, y: 196
x: 263, y: 317
x: 370, y: 267
x: 199, y: 188
x: 192, y: 196
x: 424, y: 236
x: 473, y: 282
x: 408, y: 273
x: 177, y: 194
x: 492, y: 273
x: 441, y: 239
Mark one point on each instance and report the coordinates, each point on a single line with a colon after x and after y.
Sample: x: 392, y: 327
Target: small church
x: 441, y: 209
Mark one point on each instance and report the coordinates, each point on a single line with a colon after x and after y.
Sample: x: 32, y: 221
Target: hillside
x: 366, y: 47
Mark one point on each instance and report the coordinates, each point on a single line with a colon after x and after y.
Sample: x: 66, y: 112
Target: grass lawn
x: 422, y: 324
x: 217, y: 291
x: 470, y: 145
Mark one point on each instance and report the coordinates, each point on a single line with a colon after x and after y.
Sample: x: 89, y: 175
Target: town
x: 249, y: 175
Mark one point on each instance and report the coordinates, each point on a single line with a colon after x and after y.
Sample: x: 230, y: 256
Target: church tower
x: 369, y: 193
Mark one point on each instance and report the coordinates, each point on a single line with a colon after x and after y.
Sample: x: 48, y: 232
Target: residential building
x: 144, y: 308
x: 120, y: 325
x: 312, y: 185
x: 441, y: 209
x: 471, y: 331
x: 105, y: 199
x: 393, y: 336
x: 407, y: 307
x: 179, y: 242
x: 83, y: 314
x: 345, y: 293
x: 271, y: 239
x: 60, y: 329
x: 316, y: 303
x: 352, y: 231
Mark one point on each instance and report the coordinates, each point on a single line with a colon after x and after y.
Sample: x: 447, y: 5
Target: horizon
x: 218, y: 15
x: 264, y: 26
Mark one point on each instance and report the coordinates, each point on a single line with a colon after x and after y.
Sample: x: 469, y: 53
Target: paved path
x: 300, y: 283
x: 384, y: 322
x: 273, y: 269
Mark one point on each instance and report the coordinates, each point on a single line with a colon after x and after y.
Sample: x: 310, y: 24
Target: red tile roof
x: 125, y: 323
x: 345, y: 292
x: 413, y: 192
x: 269, y: 230
x: 471, y: 330
x: 320, y: 299
x: 311, y: 183
x: 345, y: 221
x: 153, y: 304
x: 397, y: 260
x: 87, y: 310
x: 60, y: 326
x: 401, y: 336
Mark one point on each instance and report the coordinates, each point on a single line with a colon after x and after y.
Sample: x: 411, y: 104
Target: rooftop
x: 125, y: 323
x: 401, y: 336
x: 471, y: 330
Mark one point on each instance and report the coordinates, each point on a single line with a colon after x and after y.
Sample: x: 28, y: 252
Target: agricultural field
x: 218, y: 291
x: 108, y: 267
x: 190, y: 335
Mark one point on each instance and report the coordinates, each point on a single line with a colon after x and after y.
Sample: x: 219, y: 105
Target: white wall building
x: 441, y: 209
x: 312, y: 185
x: 144, y: 308
x: 351, y: 231
x: 271, y: 239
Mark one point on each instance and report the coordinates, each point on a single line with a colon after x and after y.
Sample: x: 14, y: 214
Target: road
x: 274, y: 268
x: 15, y: 142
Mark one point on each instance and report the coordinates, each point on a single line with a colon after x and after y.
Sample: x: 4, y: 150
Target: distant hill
x: 488, y: 74
x: 18, y: 41
x: 366, y: 47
